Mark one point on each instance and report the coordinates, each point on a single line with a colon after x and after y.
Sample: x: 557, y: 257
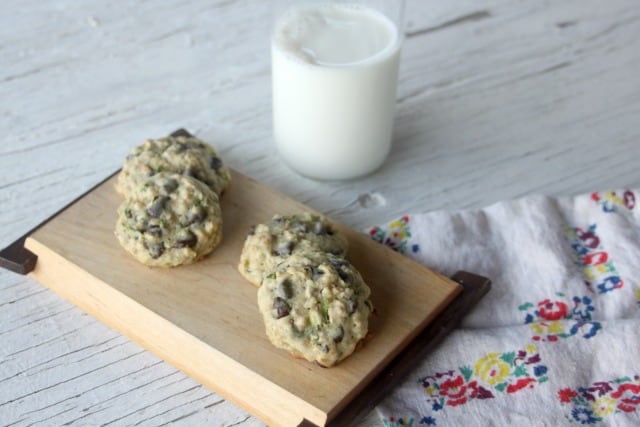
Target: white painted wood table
x: 497, y: 100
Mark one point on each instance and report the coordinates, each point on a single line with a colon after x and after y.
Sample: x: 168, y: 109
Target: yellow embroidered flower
x: 491, y: 369
x: 537, y: 328
x: 614, y: 198
x: 549, y: 328
x: 590, y: 272
x: 431, y: 390
x: 603, y: 406
x: 531, y: 349
x: 398, y: 229
x: 555, y: 327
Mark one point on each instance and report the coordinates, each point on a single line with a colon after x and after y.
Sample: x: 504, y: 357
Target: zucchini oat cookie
x: 186, y: 155
x: 269, y: 244
x: 168, y: 220
x: 316, y: 306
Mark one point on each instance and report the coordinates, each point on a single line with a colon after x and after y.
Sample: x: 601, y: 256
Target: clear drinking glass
x: 334, y: 78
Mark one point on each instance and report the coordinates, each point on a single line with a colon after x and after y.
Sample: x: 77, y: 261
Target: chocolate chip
x: 284, y: 249
x: 195, y: 215
x: 280, y: 308
x: 156, y: 208
x: 141, y: 224
x: 319, y: 228
x: 154, y: 230
x: 252, y: 230
x: 285, y: 289
x: 215, y: 163
x: 343, y: 274
x: 298, y: 227
x: 337, y: 251
x: 316, y: 273
x: 181, y: 146
x: 351, y: 306
x: 338, y: 334
x: 193, y: 173
x: 155, y: 249
x: 325, y: 348
x: 170, y: 186
x: 186, y: 240
x: 337, y: 261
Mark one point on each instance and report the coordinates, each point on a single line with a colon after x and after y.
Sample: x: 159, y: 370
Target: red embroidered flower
x: 628, y: 396
x: 595, y: 258
x: 588, y: 237
x: 520, y: 384
x: 455, y: 390
x: 566, y: 394
x: 552, y: 310
x: 629, y: 200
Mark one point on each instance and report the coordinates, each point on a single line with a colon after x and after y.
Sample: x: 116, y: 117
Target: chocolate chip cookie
x: 316, y: 306
x: 269, y: 244
x: 185, y: 155
x: 169, y: 219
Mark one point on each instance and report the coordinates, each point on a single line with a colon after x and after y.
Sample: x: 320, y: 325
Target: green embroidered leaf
x: 543, y: 380
x: 581, y: 401
x: 508, y: 357
x: 466, y: 372
x: 500, y: 387
x: 560, y: 294
x: 521, y: 371
x: 525, y: 306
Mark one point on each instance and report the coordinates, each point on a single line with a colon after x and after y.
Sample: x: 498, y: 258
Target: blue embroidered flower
x: 428, y: 421
x: 539, y: 370
x: 584, y: 416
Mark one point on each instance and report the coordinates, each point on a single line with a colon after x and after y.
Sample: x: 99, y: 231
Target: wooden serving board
x: 203, y: 318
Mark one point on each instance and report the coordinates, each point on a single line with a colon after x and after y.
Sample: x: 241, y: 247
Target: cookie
x: 269, y: 244
x: 315, y: 306
x: 186, y: 155
x: 168, y: 220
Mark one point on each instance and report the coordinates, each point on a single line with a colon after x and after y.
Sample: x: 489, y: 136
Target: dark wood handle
x: 17, y: 258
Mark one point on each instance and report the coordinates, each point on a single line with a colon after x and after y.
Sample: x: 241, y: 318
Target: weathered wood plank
x: 496, y: 101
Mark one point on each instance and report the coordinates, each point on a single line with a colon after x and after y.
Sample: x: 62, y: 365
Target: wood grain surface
x: 497, y: 99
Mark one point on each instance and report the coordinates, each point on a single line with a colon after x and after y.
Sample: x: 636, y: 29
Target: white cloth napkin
x: 557, y: 339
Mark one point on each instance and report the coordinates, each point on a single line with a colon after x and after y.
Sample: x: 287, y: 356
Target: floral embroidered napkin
x: 557, y: 339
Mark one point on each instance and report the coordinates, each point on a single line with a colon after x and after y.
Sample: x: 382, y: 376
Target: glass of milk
x: 334, y: 77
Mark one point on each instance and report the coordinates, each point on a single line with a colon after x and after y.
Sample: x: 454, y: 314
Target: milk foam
x: 335, y: 35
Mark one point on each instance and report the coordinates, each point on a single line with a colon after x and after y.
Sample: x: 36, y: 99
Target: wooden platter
x: 203, y: 318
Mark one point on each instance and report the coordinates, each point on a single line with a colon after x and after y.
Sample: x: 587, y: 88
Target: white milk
x: 335, y: 69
